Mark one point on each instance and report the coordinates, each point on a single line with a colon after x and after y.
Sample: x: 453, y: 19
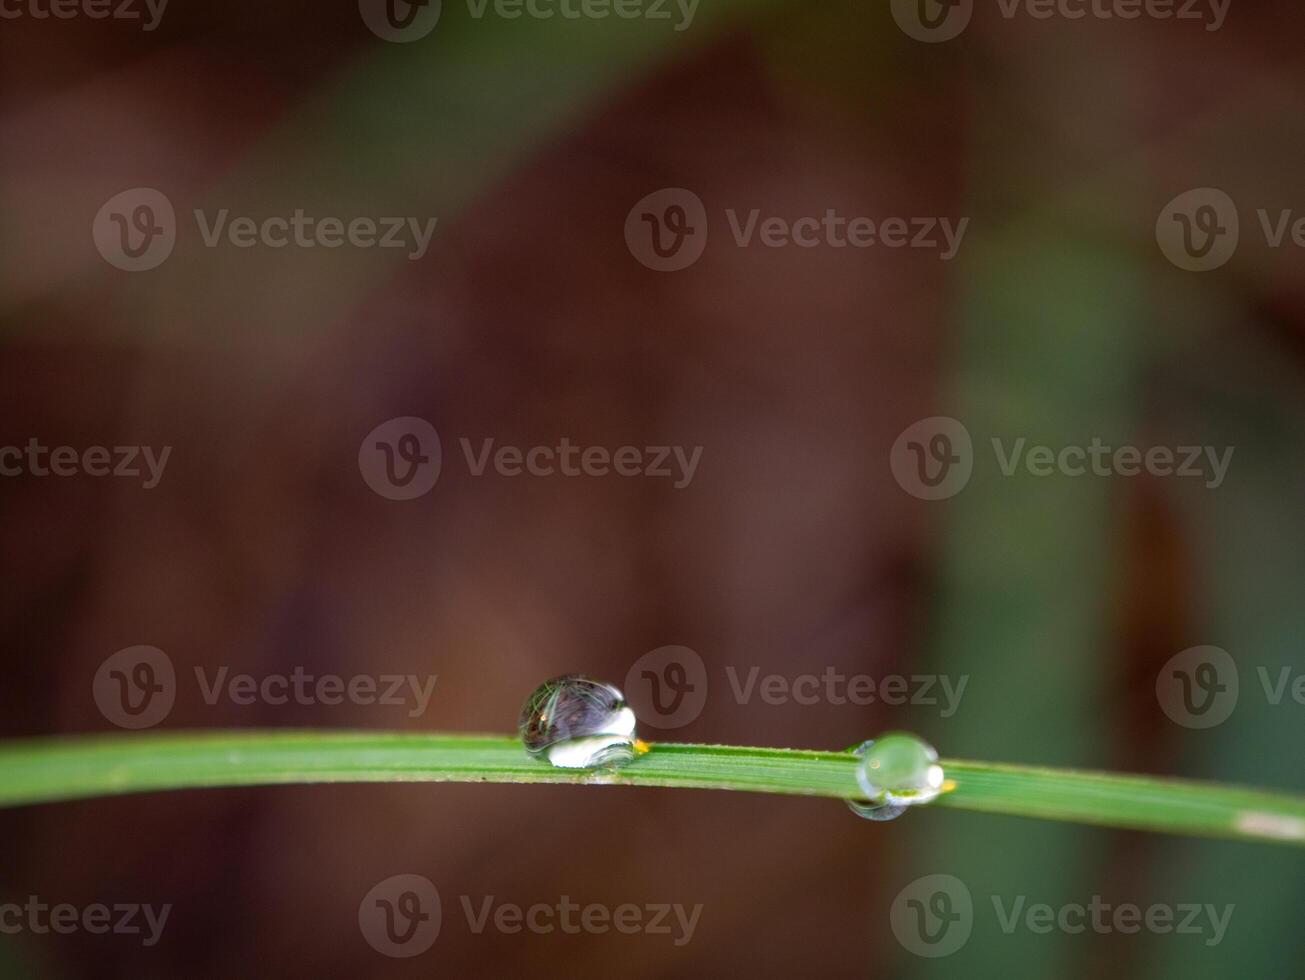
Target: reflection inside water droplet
x: 897, y: 771
x: 879, y: 811
x: 576, y: 722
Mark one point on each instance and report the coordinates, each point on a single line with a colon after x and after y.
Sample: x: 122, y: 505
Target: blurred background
x: 800, y: 546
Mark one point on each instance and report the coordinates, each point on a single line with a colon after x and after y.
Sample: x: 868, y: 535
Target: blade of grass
x: 46, y: 770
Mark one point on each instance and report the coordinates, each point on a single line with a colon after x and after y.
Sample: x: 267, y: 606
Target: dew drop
x: 576, y: 722
x: 897, y: 771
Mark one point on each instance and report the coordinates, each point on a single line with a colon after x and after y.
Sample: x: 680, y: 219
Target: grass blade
x: 48, y: 770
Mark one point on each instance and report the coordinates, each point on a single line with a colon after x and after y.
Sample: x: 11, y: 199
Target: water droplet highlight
x: 576, y: 722
x: 897, y: 771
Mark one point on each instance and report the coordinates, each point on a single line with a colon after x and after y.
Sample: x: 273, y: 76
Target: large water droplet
x: 898, y: 770
x: 576, y: 722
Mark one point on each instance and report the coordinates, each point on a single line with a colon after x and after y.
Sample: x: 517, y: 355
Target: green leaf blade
x: 50, y: 770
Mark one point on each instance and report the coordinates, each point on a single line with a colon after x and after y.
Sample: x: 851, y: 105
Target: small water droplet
x: 897, y: 771
x: 576, y: 722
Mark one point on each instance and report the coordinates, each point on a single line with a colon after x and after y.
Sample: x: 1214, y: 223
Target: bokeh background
x: 794, y: 549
